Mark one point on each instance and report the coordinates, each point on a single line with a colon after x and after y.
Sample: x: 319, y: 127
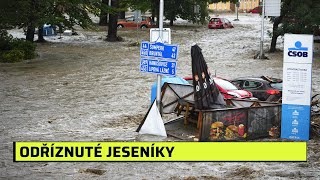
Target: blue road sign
x: 163, y: 67
x: 159, y: 50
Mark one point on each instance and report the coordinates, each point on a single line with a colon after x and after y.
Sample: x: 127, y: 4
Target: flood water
x: 92, y: 90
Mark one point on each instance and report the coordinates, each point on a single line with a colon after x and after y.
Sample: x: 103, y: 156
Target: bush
x: 15, y: 50
x: 12, y: 56
x: 5, y: 40
x: 28, y: 48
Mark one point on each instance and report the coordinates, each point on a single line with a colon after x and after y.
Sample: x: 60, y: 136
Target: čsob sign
x: 298, y: 50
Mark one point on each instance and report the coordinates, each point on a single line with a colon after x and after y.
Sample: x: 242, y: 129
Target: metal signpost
x: 161, y: 6
x: 296, y: 93
x: 157, y: 57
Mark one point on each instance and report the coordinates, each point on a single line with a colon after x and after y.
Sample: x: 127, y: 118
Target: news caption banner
x: 158, y: 58
x: 296, y: 93
x: 159, y: 151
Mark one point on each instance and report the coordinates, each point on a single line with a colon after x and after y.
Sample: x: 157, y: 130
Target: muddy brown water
x: 92, y: 90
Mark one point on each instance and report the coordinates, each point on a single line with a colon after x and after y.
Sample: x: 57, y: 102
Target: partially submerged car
x: 228, y: 89
x: 256, y: 10
x: 219, y: 23
x: 131, y: 22
x: 264, y: 88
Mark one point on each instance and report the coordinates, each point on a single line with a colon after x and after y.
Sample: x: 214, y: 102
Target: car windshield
x: 225, y: 84
x: 276, y: 85
x: 214, y: 20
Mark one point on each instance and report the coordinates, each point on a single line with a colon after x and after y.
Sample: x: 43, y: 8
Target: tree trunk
x: 40, y: 35
x: 153, y: 14
x: 122, y: 15
x: 104, y: 15
x: 171, y: 21
x: 275, y: 34
x: 155, y: 11
x: 112, y: 26
x: 30, y: 33
x: 103, y: 20
x: 276, y: 23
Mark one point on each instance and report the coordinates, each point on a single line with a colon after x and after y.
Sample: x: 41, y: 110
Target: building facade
x: 245, y: 6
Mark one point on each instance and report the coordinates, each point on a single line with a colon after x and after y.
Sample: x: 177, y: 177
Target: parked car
x: 146, y: 22
x: 228, y: 89
x: 264, y: 88
x: 256, y: 10
x: 219, y: 23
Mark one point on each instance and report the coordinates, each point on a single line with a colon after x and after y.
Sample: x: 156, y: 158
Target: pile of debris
x: 315, y: 116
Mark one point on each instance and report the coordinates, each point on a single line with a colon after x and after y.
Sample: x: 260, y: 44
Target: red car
x: 219, y: 23
x: 256, y: 10
x: 145, y: 22
x: 228, y: 89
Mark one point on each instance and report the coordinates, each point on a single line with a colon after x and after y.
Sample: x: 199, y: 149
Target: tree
x: 298, y: 17
x: 30, y: 14
x: 104, y: 14
x: 113, y: 19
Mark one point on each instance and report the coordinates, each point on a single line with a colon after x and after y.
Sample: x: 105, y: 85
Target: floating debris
x: 92, y: 171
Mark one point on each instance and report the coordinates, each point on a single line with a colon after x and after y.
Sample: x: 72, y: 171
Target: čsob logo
x: 298, y: 51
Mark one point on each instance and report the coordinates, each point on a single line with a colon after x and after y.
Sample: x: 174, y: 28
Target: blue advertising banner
x: 158, y: 66
x: 295, y: 122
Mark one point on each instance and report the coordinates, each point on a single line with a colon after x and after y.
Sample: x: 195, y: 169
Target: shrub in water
x: 15, y: 50
x: 11, y: 56
x: 28, y: 48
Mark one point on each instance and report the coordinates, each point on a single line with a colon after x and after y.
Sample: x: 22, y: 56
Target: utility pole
x: 261, y: 56
x: 237, y: 10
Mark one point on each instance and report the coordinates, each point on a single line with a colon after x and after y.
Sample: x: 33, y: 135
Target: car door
x: 130, y: 22
x: 255, y: 87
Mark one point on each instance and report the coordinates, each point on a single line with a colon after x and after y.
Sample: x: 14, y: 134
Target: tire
x: 143, y: 27
x: 120, y: 26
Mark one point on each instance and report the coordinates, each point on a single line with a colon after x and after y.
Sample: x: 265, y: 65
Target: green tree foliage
x: 30, y: 14
x: 193, y: 10
x: 298, y: 17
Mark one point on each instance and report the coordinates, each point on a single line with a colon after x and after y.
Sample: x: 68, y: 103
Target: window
x: 276, y: 85
x: 238, y: 82
x: 225, y: 84
x: 252, y: 85
x: 130, y: 18
x: 214, y: 20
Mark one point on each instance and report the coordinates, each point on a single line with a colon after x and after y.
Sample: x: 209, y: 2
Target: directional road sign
x: 163, y: 67
x: 159, y: 50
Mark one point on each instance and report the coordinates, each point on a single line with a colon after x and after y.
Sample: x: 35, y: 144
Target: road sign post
x: 161, y: 6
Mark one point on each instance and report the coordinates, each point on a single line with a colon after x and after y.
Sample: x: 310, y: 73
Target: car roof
x: 261, y: 78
